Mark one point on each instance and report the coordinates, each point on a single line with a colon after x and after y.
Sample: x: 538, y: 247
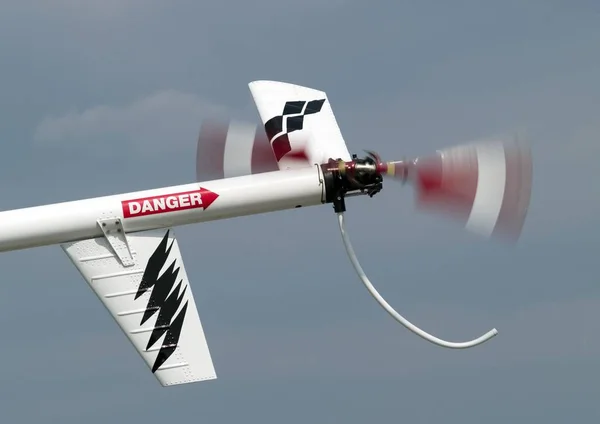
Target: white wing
x: 151, y: 301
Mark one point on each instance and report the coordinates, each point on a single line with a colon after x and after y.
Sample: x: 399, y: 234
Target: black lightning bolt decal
x: 155, y: 264
x: 164, y: 300
x: 171, y: 339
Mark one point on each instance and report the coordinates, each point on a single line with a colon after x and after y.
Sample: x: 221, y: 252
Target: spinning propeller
x: 486, y: 186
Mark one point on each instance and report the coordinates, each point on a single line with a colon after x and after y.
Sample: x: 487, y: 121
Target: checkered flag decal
x: 292, y: 119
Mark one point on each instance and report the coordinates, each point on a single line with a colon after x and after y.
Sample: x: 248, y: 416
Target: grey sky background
x: 101, y: 97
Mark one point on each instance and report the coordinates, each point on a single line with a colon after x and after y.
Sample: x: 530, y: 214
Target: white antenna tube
x: 406, y: 323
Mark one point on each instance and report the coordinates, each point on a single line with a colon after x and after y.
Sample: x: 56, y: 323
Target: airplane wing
x: 298, y: 130
x: 150, y: 298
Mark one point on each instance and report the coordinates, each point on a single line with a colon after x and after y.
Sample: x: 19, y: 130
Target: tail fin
x: 298, y: 119
x: 151, y: 300
x: 299, y: 130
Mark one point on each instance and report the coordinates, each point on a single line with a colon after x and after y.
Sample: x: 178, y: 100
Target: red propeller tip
x: 487, y: 185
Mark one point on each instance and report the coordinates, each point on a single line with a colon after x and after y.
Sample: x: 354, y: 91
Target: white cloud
x: 165, y: 120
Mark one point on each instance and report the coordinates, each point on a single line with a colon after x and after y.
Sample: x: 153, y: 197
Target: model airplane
x: 125, y: 248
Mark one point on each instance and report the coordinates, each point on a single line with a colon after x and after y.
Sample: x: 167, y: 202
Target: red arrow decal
x: 195, y: 199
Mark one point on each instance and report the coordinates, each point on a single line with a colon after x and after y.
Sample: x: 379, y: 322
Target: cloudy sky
x: 101, y: 97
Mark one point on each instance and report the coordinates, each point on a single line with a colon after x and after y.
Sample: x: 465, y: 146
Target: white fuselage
x: 162, y: 207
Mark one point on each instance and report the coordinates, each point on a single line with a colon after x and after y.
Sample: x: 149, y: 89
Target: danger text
x: 165, y: 203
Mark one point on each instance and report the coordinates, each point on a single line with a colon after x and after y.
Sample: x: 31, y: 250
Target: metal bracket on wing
x: 112, y: 228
